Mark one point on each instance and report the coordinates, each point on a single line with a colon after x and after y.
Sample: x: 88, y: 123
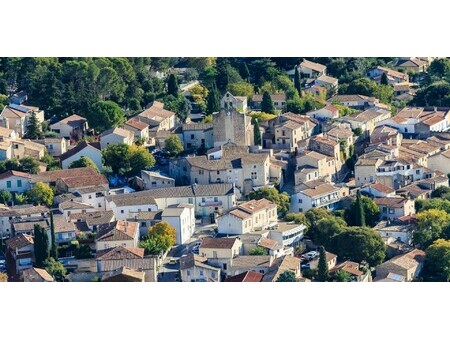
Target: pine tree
x: 213, y: 104
x: 267, y: 104
x: 359, y: 210
x: 172, y: 85
x: 384, y: 79
x: 256, y: 133
x: 34, y: 130
x: 41, y: 251
x: 54, y: 247
x: 297, y: 83
x: 322, y: 273
x: 243, y: 71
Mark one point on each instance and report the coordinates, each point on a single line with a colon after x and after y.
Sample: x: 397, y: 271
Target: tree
x: 287, y: 276
x: 53, y: 246
x: 297, y: 83
x: 314, y: 215
x: 173, y: 145
x: 241, y: 89
x: 441, y: 192
x: 5, y: 196
x: 282, y: 200
x: 34, y: 129
x: 3, y: 277
x: 256, y: 133
x: 324, y: 230
x: 243, y: 71
x: 28, y: 164
x: 267, y: 104
x: 3, y: 101
x: 297, y: 217
x: 430, y: 224
x: 127, y: 160
x: 322, y: 273
x: 257, y: 251
x: 371, y: 212
x: 199, y: 94
x: 164, y: 233
x: 360, y: 217
x: 384, y: 79
x: 172, y: 85
x: 56, y: 269
x: 20, y: 198
x: 359, y: 244
x: 105, y: 115
x: 437, y: 262
x: 41, y: 250
x: 82, y: 162
x: 41, y: 193
x: 213, y: 103
x: 140, y: 158
x: 342, y: 276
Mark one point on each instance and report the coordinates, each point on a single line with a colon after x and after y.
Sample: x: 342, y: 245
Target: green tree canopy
x: 241, y: 89
x: 437, y: 262
x: 172, y: 85
x: 127, y: 160
x: 282, y: 200
x: 173, y: 145
x: 323, y: 231
x: 322, y: 270
x: 430, y: 226
x: 287, y: 276
x: 41, y: 247
x: 258, y: 251
x: 82, y: 162
x: 34, y: 128
x: 41, y: 193
x: 267, y: 105
x: 370, y: 210
x: 56, y: 269
x: 105, y: 115
x: 161, y: 237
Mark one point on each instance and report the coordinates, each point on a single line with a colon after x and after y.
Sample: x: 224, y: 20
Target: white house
x: 182, y: 218
x: 321, y: 195
x: 73, y: 125
x: 15, y: 181
x: 247, y: 217
x: 288, y: 234
x: 126, y: 206
x: 155, y: 180
x: 56, y: 146
x: 116, y: 136
x: 140, y: 129
x: 117, y: 233
x: 327, y: 112
x: 89, y: 150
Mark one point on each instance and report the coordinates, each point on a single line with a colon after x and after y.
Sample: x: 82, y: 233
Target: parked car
x: 305, y: 266
x: 310, y: 255
x: 172, y: 261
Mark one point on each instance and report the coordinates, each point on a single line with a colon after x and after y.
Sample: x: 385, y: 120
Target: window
x: 99, y: 205
x: 192, y: 136
x: 19, y: 183
x: 213, y: 274
x: 188, y: 273
x: 201, y: 272
x: 8, y: 184
x: 218, y: 172
x: 121, y: 211
x: 200, y: 172
x: 261, y: 271
x: 300, y: 200
x: 283, y: 133
x: 50, y: 146
x: 153, y: 183
x: 90, y: 197
x: 254, y: 176
x: 224, y: 265
x: 216, y: 199
x: 417, y: 171
x: 190, y: 200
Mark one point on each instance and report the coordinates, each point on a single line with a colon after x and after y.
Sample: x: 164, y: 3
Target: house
x: 111, y: 259
x: 247, y: 276
x: 396, y: 229
x: 73, y: 126
x: 116, y: 136
x: 90, y: 221
x: 248, y: 217
x: 20, y: 253
x: 281, y: 265
x: 253, y: 240
x: 377, y: 190
x: 126, y: 206
x: 139, y: 128
x: 182, y: 218
x: 327, y: 112
x: 318, y: 195
x: 231, y: 124
x: 366, y: 170
x: 51, y: 177
x: 242, y: 264
x: 156, y: 180
x: 327, y: 166
x: 354, y: 101
x: 146, y: 220
x: 20, y: 214
x: 356, y: 273
x: 423, y: 189
x: 6, y: 133
x: 83, y: 149
x: 386, y: 135
x: 412, y: 64
x: 326, y: 146
x: 15, y: 181
x: 64, y: 230
x: 391, y: 277
x: 329, y: 82
x: 194, y: 268
x: 287, y: 234
x: 220, y: 248
x: 16, y: 117
x: 158, y: 118
x: 72, y: 184
x: 93, y: 195
x: 407, y: 265
x: 21, y: 148
x: 330, y: 258
x: 71, y: 207
x: 309, y: 69
x: 440, y: 161
x: 19, y: 97
x: 393, y: 76
x: 279, y: 101
x: 56, y: 146
x: 341, y: 134
x: 124, y: 274
x: 36, y: 275
x: 198, y: 135
x: 117, y: 233
x: 394, y: 207
x: 367, y: 120
x: 398, y: 173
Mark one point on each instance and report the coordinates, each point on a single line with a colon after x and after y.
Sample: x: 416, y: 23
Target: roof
x: 392, y: 72
x: 197, y: 126
x: 117, y: 231
x: 218, y: 243
x: 156, y: 174
x: 196, y: 190
x: 10, y: 173
x: 172, y: 211
x: 290, y: 125
x: 9, y: 112
x: 73, y: 120
x: 341, y: 133
x: 20, y: 210
x: 85, y: 181
x: 248, y: 276
x: 392, y: 202
x: 312, y: 65
x: 268, y: 243
x: 367, y: 115
x: 5, y: 132
x: 28, y: 225
x: 408, y: 260
x: 136, y: 124
x: 191, y: 260
x: 274, y: 97
x: 118, y: 131
x: 36, y: 275
x: 62, y: 225
x: 53, y: 176
x: 327, y: 79
x: 325, y: 140
x: 135, y: 198
x: 351, y: 97
x: 282, y: 264
x: 252, y: 261
x: 156, y: 112
x: 124, y: 274
x: 348, y: 266
x: 247, y: 209
x: 120, y: 252
x: 228, y: 161
x: 319, y: 190
x: 66, y: 205
x: 19, y: 241
x: 381, y: 187
x: 80, y: 146
x: 94, y: 217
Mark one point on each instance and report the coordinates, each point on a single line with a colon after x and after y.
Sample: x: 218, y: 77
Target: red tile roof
x: 248, y: 276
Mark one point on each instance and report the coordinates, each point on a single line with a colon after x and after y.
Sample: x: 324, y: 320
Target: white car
x: 310, y: 255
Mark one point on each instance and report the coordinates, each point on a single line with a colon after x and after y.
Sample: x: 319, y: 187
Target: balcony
x: 210, y: 204
x: 325, y: 201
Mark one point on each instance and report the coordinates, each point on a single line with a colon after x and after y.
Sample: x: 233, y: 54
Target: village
x: 315, y: 174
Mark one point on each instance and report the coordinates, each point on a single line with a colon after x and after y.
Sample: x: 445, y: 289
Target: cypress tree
x: 360, y: 218
x: 384, y: 79
x: 267, y: 104
x: 322, y: 273
x: 54, y: 247
x: 41, y: 251
x: 243, y: 71
x: 213, y: 104
x: 297, y: 84
x: 34, y: 130
x: 256, y: 133
x: 172, y: 85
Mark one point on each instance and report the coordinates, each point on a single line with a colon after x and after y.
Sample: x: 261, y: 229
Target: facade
x: 55, y: 146
x: 15, y: 181
x: 321, y: 195
x: 89, y: 150
x: 128, y: 205
x: 116, y: 136
x: 182, y: 218
x: 158, y: 118
x: 156, y: 180
x: 407, y: 265
x: 117, y: 233
x: 288, y: 234
x: 194, y: 268
x: 279, y: 101
x: 395, y: 207
x: 140, y: 129
x: 72, y: 126
x: 198, y: 135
